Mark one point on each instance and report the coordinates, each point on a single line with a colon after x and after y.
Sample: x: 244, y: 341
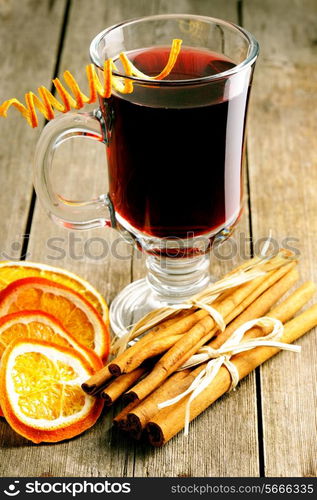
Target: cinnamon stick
x: 170, y: 421
x: 289, y: 279
x: 97, y: 381
x: 153, y: 348
x: 121, y: 420
x: 265, y: 302
x: 100, y: 379
x: 142, y: 413
x: 284, y: 312
x: 178, y: 325
x: 146, y: 409
x: 124, y: 363
x: 265, y: 285
x: 119, y: 385
x: 198, y: 335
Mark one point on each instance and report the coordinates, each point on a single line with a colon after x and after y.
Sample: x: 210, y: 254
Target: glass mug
x: 174, y: 152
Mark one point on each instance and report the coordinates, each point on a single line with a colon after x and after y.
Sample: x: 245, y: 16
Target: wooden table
x: 268, y: 426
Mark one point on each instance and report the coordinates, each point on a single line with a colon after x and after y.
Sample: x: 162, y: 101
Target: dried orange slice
x: 15, y: 270
x: 40, y: 325
x: 40, y: 391
x: 75, y: 313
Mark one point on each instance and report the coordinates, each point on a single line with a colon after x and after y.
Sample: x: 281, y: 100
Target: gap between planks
x: 27, y: 231
x: 258, y: 389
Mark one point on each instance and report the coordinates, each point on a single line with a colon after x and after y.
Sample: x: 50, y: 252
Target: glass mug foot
x: 174, y: 151
x: 168, y: 282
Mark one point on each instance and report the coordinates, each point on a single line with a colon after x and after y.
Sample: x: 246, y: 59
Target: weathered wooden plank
x: 214, y: 446
x: 283, y: 176
x: 29, y: 35
x: 100, y: 255
x: 223, y: 454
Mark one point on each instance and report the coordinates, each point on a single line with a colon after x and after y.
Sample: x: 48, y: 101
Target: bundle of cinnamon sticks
x: 146, y: 374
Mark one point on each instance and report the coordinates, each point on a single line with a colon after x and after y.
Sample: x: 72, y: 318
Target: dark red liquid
x: 175, y: 155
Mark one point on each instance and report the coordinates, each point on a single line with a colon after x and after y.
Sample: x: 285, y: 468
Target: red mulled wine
x: 175, y: 150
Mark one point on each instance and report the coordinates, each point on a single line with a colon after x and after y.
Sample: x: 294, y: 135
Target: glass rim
x: 248, y: 61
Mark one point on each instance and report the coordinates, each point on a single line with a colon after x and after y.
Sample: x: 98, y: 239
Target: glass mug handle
x: 88, y: 214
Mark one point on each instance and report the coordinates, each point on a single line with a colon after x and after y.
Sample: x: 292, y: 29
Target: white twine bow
x: 221, y: 356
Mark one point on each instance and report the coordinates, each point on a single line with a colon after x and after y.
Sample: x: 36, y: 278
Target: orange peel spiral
x: 46, y: 102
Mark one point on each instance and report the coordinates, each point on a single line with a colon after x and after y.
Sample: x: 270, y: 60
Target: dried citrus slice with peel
x: 40, y: 391
x: 11, y: 271
x: 39, y: 325
x: 74, y: 312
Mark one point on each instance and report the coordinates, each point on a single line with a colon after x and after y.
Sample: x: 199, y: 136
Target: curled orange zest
x: 46, y: 100
x: 175, y: 50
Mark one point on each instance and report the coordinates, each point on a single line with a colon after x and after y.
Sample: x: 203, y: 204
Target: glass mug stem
x: 178, y: 279
x: 175, y: 152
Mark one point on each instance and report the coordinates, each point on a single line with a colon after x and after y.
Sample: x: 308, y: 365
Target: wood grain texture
x: 81, y: 169
x: 99, y: 255
x: 283, y: 177
x: 282, y: 159
x: 29, y: 36
x: 214, y: 446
